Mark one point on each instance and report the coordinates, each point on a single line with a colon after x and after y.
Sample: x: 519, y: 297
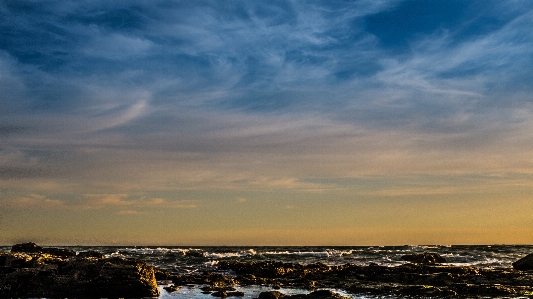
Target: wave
x: 326, y: 253
x: 230, y: 254
x: 475, y: 255
x: 163, y: 251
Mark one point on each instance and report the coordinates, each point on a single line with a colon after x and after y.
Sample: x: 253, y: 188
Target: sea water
x: 187, y: 259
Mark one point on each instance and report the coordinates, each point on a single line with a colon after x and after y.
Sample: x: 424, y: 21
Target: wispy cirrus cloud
x: 130, y: 106
x: 34, y: 201
x: 123, y: 202
x: 94, y: 201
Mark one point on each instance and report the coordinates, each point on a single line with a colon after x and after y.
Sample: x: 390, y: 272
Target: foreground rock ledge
x: 41, y: 273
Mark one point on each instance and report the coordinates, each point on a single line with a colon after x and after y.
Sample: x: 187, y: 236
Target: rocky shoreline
x: 425, y: 275
x: 33, y: 271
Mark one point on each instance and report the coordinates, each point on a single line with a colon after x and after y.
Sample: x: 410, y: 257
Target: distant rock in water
x: 525, y: 263
x: 91, y: 253
x: 34, y: 248
x: 27, y: 248
x: 33, y: 271
x: 428, y: 258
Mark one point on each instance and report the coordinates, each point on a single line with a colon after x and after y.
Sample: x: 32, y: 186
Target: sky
x: 368, y: 122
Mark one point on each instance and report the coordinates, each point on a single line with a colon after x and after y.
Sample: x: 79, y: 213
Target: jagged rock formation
x: 525, y: 263
x: 32, y: 271
x: 410, y: 279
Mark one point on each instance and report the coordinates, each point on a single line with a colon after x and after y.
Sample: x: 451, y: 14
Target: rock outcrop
x: 410, y: 279
x: 429, y: 258
x: 32, y: 271
x: 34, y: 248
x: 525, y: 263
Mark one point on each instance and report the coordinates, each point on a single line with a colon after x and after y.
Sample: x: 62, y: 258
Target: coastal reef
x: 31, y: 271
x: 427, y: 276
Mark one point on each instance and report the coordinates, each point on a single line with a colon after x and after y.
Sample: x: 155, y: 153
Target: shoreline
x: 419, y: 274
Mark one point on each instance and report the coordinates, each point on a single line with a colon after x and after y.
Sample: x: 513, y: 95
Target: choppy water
x: 193, y: 259
x: 187, y: 259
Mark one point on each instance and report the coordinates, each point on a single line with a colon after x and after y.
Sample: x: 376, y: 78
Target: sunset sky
x: 371, y: 122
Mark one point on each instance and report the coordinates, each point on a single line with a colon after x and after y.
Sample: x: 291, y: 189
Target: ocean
x: 187, y: 260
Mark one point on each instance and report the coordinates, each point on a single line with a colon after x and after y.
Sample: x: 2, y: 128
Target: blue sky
x: 286, y: 111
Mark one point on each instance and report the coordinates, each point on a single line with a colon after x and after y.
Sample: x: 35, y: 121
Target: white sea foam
x: 325, y: 253
x: 230, y: 254
x: 479, y: 256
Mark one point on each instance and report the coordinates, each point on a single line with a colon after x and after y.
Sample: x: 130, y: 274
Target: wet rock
x: 26, y: 248
x: 267, y: 269
x: 91, y: 253
x: 31, y: 271
x: 411, y: 279
x: 525, y: 263
x: 62, y: 252
x: 428, y: 258
x: 426, y: 290
x: 34, y: 248
x: 271, y: 295
x: 162, y: 275
x: 15, y: 260
x: 171, y: 288
x: 224, y: 294
x: 221, y: 294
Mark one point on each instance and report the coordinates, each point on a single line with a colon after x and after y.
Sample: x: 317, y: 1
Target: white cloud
x: 34, y: 201
x: 101, y: 201
x: 115, y: 46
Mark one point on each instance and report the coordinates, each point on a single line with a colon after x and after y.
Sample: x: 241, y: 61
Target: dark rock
x: 410, y: 279
x: 171, y: 288
x: 15, y: 260
x: 195, y: 253
x: 59, y: 252
x: 525, y: 263
x: 267, y: 269
x: 34, y: 248
x: 26, y: 248
x: 425, y: 290
x: 162, y: 275
x: 428, y: 258
x: 91, y: 253
x: 221, y: 294
x: 38, y: 274
x: 224, y: 294
x: 271, y: 295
